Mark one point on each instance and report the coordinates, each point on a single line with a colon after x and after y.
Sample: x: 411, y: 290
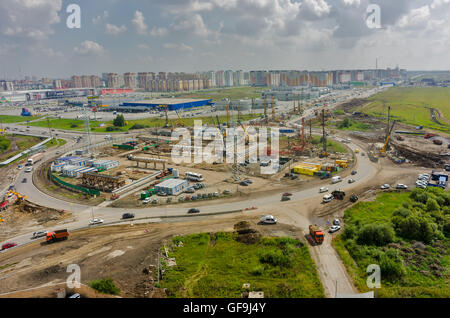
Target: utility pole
x: 324, y: 137
x: 265, y: 109
x: 49, y: 129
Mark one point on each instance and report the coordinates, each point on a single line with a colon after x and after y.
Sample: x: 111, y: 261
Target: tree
x: 119, y: 121
x: 432, y: 205
x: 375, y: 234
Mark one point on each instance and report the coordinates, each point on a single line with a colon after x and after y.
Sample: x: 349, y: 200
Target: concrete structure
x: 106, y: 164
x: 113, y: 80
x: 172, y: 186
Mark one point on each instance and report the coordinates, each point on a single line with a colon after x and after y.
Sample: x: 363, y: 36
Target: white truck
x: 35, y: 158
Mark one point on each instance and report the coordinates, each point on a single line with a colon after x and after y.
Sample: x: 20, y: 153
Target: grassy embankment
x: 10, y: 119
x: 78, y: 125
x: 387, y: 231
x: 409, y: 105
x: 217, y: 265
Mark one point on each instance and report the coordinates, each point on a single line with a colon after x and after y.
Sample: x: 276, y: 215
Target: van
x: 327, y: 198
x: 336, y: 179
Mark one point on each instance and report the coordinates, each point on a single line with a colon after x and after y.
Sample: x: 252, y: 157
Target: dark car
x: 194, y: 210
x: 24, y: 180
x: 287, y: 194
x: 354, y: 172
x: 243, y: 183
x: 128, y: 216
x: 8, y: 245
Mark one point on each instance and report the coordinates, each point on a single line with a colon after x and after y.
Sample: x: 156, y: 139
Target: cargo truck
x: 316, y: 234
x: 56, y: 236
x: 35, y: 158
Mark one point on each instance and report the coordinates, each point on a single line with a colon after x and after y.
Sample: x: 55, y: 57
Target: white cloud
x: 356, y: 3
x: 143, y: 46
x: 90, y: 47
x: 98, y: 18
x: 181, y: 47
x: 139, y: 22
x: 415, y: 17
x: 29, y: 19
x: 319, y: 8
x: 438, y: 3
x: 159, y: 31
x: 191, y: 23
x: 115, y: 30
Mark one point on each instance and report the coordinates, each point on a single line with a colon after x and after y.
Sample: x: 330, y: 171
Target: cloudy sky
x: 199, y: 35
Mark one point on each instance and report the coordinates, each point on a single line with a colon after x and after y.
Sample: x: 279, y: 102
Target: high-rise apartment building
x: 129, y: 80
x: 113, y: 80
x: 76, y: 82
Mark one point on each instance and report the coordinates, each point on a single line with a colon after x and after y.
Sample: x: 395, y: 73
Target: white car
x: 147, y: 200
x: 334, y: 228
x: 327, y: 198
x: 323, y: 189
x: 96, y: 221
x: 401, y: 186
x: 422, y: 186
x: 268, y: 219
x: 29, y: 169
x: 385, y: 186
x: 39, y: 234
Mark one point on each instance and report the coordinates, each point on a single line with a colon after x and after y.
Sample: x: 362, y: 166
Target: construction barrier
x: 73, y: 187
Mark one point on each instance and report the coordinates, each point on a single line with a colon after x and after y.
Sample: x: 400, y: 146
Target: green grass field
x: 78, y: 125
x: 409, y: 105
x: 22, y: 142
x: 217, y: 265
x: 332, y: 146
x: 351, y: 125
x: 7, y: 119
x: 219, y: 94
x: 406, y: 271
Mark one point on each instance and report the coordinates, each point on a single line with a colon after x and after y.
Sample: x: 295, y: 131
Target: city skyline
x: 198, y: 35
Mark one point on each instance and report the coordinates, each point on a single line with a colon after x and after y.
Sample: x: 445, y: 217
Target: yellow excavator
x: 383, y: 150
x: 20, y: 197
x: 180, y: 122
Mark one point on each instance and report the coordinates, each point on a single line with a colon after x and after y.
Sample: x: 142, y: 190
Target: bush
x: 391, y: 265
x: 346, y: 123
x: 432, y: 205
x: 349, y: 232
x: 402, y: 212
x: 74, y: 126
x: 257, y: 270
x: 375, y: 234
x: 105, y: 286
x: 415, y: 227
x: 138, y: 126
x: 111, y: 128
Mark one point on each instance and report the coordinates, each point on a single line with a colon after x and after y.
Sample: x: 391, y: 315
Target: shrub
x: 415, y: 227
x: 402, y: 212
x: 257, y: 270
x: 375, y: 234
x: 391, y: 265
x: 349, y: 232
x: 105, y: 286
x: 346, y: 123
x: 432, y: 205
x: 74, y: 126
x: 111, y: 128
x: 138, y: 126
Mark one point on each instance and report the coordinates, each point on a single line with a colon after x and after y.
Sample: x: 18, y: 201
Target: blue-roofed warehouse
x: 172, y: 103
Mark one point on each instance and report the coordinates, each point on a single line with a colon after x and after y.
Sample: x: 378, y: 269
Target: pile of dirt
x: 354, y: 103
x: 43, y: 214
x: 418, y: 157
x: 246, y: 234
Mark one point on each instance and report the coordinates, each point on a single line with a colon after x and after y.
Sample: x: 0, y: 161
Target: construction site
x: 131, y: 173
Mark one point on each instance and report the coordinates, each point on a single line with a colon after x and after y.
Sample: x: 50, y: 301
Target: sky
x: 200, y: 35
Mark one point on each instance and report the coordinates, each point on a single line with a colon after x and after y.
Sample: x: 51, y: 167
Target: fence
x: 71, y: 186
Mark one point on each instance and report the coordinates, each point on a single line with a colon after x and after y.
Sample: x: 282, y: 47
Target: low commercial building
x: 172, y: 186
x: 105, y: 164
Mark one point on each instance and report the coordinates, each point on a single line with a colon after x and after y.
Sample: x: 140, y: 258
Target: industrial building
x: 172, y: 103
x: 172, y: 186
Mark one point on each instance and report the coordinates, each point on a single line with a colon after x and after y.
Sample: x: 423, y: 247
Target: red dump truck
x: 56, y: 236
x: 316, y: 234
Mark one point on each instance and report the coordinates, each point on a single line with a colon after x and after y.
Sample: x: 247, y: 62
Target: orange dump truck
x: 56, y: 236
x: 316, y: 233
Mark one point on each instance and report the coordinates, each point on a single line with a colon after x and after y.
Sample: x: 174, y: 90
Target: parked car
x: 96, y: 221
x: 287, y: 194
x: 354, y: 172
x: 8, y: 245
x: 193, y: 210
x: 127, y: 216
x: 351, y: 180
x: 147, y: 200
x: 190, y: 190
x: 284, y: 198
x: 336, y: 222
x: 24, y: 180
x: 19, y: 167
x: 39, y: 234
x: 385, y: 186
x: 268, y: 219
x: 29, y: 169
x: 243, y: 183
x: 421, y: 186
x: 323, y: 189
x: 353, y: 198
x: 334, y: 228
x: 249, y: 181
x: 401, y: 186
